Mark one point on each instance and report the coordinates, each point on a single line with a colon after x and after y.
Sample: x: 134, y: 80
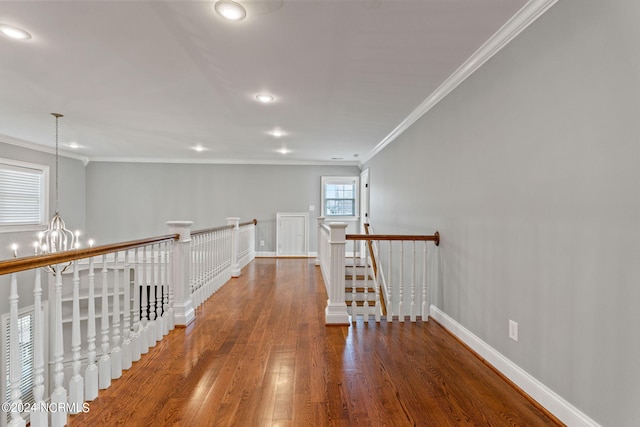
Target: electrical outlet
x: 261, y: 242
x: 513, y: 330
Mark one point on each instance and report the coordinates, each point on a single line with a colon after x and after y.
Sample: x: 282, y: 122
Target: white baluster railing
x: 144, y: 290
x: 395, y: 287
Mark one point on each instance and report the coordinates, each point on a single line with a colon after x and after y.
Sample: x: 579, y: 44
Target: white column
x: 38, y: 416
x: 104, y: 363
x: 336, y: 311
x: 126, y: 314
x: 59, y: 395
x: 235, y: 266
x: 15, y: 371
x: 116, y: 352
x: 320, y: 222
x: 76, y: 383
x: 91, y: 372
x: 180, y: 260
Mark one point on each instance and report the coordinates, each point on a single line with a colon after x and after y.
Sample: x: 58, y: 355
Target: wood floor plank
x: 259, y: 354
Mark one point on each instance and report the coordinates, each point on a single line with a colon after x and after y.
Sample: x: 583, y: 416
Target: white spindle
x: 144, y: 328
x: 38, y: 417
x: 354, y: 303
x: 208, y: 266
x: 401, y: 285
x: 365, y: 305
x: 15, y: 365
x: 165, y: 289
x: 59, y: 395
x: 172, y: 323
x: 390, y: 285
x: 104, y: 364
x: 376, y: 283
x: 91, y: 372
x: 76, y: 383
x: 412, y: 307
x: 425, y: 306
x: 157, y: 288
x: 152, y: 299
x: 126, y: 314
x: 135, y: 334
x: 116, y: 352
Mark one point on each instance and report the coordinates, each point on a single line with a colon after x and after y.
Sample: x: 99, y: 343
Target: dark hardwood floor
x: 259, y: 354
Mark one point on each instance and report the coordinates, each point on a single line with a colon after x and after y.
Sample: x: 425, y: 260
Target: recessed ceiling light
x: 277, y: 133
x: 199, y: 148
x: 14, y: 33
x: 230, y: 9
x: 283, y: 151
x: 73, y: 145
x: 265, y: 98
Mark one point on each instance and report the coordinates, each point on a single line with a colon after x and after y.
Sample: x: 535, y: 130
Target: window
x: 23, y: 195
x: 340, y: 196
x: 26, y: 351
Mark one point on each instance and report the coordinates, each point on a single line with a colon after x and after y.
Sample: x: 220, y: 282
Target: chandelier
x: 56, y: 238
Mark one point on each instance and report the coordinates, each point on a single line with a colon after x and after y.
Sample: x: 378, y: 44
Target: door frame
x: 364, y: 205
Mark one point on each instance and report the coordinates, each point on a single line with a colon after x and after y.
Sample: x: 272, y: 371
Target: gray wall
x: 529, y: 170
x: 72, y: 194
x: 134, y: 200
x: 71, y: 204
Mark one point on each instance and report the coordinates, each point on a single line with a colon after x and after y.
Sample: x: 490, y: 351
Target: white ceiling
x: 148, y: 80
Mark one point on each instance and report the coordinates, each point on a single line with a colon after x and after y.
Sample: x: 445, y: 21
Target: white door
x: 291, y: 234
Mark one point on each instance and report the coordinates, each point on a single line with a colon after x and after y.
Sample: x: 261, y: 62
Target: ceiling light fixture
x: 230, y: 9
x: 265, y: 98
x: 73, y: 145
x: 199, y: 148
x: 277, y: 133
x: 283, y: 151
x: 56, y: 238
x: 14, y: 33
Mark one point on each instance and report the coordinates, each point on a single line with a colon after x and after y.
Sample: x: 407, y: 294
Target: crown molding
x: 42, y: 148
x: 528, y: 14
x: 226, y: 161
x: 86, y: 160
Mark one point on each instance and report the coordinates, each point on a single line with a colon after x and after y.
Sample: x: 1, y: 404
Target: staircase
x: 360, y: 288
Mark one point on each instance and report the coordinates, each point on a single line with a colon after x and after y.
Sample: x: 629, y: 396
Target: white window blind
x: 23, y: 194
x: 25, y: 343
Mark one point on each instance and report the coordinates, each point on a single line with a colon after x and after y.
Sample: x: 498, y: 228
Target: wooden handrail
x: 211, y: 230
x: 36, y: 261
x: 222, y: 227
x: 434, y: 238
x: 254, y: 222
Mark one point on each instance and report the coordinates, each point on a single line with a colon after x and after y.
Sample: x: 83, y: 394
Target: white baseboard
x: 542, y: 394
x: 265, y: 254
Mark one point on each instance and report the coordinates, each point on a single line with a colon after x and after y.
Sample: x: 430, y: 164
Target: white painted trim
x: 542, y: 394
x: 265, y: 254
x: 225, y: 161
x: 41, y: 148
x: 518, y: 23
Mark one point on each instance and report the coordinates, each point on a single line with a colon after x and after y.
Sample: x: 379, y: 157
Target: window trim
x: 343, y: 180
x: 44, y: 196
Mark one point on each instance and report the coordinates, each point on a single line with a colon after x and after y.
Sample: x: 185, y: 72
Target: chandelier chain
x: 57, y: 117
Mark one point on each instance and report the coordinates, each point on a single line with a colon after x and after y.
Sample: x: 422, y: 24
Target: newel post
x: 320, y: 223
x: 180, y: 272
x: 235, y: 266
x: 336, y: 311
